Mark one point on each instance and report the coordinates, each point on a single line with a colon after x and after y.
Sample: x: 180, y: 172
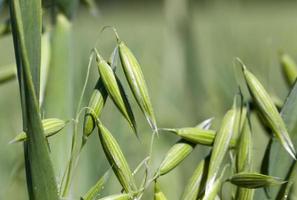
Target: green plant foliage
x: 26, y: 28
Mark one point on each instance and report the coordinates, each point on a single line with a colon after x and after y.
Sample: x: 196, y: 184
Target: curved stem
x: 66, y: 180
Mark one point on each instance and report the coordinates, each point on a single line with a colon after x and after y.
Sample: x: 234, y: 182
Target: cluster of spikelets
x: 233, y: 139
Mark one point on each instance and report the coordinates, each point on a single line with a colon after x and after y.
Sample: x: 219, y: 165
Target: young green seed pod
x: 237, y: 106
x: 116, y: 159
x: 137, y: 83
x: 289, y: 68
x: 194, y: 184
x: 197, y: 135
x: 179, y: 151
x: 117, y: 197
x: 158, y: 194
x: 220, y: 147
x: 111, y: 85
x: 244, y: 153
x: 244, y: 160
x: 268, y: 110
x: 97, y: 101
x: 254, y: 180
x: 96, y: 105
x: 51, y: 127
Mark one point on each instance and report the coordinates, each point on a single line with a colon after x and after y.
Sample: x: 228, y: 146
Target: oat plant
x: 229, y: 160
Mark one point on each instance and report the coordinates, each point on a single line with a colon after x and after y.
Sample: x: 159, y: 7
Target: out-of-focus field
x: 191, y: 76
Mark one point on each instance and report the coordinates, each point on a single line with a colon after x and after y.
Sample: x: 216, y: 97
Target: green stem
x: 74, y: 156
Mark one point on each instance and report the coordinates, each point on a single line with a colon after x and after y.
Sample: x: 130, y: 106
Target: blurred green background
x: 186, y: 50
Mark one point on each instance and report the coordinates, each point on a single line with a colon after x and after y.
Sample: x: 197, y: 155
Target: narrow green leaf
x: 26, y: 28
x: 281, y: 165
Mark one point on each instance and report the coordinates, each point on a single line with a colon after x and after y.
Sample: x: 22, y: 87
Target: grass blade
x: 26, y: 28
x: 280, y: 164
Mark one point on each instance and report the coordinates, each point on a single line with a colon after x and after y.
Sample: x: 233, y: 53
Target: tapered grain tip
x: 206, y: 124
x: 243, y: 67
x: 172, y: 130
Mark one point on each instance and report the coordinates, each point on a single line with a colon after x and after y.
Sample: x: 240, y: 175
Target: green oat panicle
x: 254, y: 180
x: 268, y: 111
x: 137, y: 82
x: 51, y: 127
x: 116, y: 159
x: 158, y: 194
x: 179, y: 151
x: 97, y: 101
x: 111, y: 85
x: 289, y: 68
